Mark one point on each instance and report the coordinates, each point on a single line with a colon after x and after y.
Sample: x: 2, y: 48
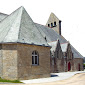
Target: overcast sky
x: 70, y: 12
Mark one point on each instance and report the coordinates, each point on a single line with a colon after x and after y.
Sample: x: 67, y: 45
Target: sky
x: 70, y: 12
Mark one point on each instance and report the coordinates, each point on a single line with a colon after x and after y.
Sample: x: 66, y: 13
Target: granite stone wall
x: 17, y: 61
x: 9, y: 54
x: 25, y: 68
x: 53, y: 19
x: 60, y: 65
x: 78, y: 61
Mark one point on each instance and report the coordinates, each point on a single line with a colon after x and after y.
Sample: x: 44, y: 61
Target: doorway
x: 69, y: 66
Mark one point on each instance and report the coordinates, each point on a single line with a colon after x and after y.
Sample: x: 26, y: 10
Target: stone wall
x: 9, y: 54
x: 25, y: 68
x: 78, y: 61
x: 1, y: 65
x: 60, y: 65
x: 72, y: 65
x: 53, y: 19
x: 17, y: 62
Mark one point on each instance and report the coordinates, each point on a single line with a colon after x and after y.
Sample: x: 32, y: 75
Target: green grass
x: 10, y: 81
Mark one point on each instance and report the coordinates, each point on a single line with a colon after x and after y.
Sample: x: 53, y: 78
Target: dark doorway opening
x: 69, y: 66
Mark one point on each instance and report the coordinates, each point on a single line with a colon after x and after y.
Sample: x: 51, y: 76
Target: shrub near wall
x: 84, y: 65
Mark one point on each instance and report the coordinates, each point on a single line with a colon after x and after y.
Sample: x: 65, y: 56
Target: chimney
x: 59, y: 27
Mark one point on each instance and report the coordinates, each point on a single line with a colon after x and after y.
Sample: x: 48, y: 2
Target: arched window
x: 35, y: 58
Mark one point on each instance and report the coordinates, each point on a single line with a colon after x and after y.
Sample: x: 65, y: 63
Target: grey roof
x: 2, y: 16
x: 64, y: 47
x: 54, y: 45
x: 19, y: 27
x: 76, y: 53
x: 51, y: 35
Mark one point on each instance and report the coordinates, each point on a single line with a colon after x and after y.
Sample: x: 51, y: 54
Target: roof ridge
x: 11, y: 13
x: 3, y: 13
x: 11, y: 23
x: 20, y: 23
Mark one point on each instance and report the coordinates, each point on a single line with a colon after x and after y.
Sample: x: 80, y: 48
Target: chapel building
x: 29, y: 50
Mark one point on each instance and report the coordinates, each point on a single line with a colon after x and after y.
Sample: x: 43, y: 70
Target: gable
x: 52, y: 19
x: 69, y: 48
x: 64, y: 47
x: 53, y: 45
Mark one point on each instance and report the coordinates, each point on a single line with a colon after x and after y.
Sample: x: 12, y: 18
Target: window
x: 48, y: 25
x: 35, y: 58
x: 51, y: 24
x: 54, y: 24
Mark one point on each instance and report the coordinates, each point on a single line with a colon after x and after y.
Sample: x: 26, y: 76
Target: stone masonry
x: 17, y: 61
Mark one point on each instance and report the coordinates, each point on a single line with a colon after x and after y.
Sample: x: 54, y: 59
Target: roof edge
x: 24, y: 43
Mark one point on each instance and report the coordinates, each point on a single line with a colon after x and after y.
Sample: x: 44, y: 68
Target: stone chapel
x: 29, y: 50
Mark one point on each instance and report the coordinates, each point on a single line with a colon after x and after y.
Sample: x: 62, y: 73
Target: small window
x: 35, y: 58
x: 48, y: 25
x: 54, y: 24
x: 51, y: 24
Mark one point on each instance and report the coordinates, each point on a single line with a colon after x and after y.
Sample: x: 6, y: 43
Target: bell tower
x: 54, y: 23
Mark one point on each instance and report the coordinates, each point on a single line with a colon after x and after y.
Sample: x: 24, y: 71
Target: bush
x: 84, y: 65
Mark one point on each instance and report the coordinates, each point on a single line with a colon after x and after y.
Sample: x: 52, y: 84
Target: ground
x: 77, y: 79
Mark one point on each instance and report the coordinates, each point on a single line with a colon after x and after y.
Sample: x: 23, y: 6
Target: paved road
x: 77, y: 79
x: 58, y: 76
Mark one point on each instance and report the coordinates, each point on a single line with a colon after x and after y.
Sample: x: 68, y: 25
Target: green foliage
x: 10, y: 81
x: 84, y: 65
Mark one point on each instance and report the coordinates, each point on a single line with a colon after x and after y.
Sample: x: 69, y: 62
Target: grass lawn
x: 10, y: 81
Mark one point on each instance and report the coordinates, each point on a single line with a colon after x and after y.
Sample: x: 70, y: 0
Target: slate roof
x: 19, y: 27
x: 49, y: 33
x: 2, y: 16
x: 54, y: 45
x: 76, y: 53
x: 64, y: 47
